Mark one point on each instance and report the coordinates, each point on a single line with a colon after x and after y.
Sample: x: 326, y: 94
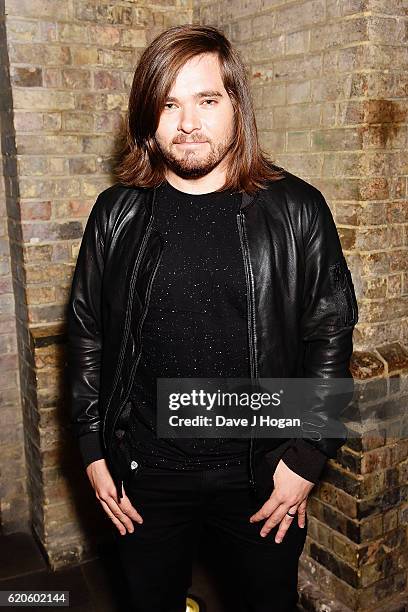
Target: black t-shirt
x: 196, y: 321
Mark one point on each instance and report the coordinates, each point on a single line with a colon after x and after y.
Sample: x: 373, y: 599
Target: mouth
x: 190, y: 144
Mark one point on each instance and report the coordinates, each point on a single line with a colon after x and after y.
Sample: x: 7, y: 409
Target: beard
x: 193, y: 164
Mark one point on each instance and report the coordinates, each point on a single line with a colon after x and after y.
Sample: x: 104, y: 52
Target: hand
x: 290, y: 493
x: 104, y: 487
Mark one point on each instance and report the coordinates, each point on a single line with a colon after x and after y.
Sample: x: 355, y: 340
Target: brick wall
x: 13, y: 497
x: 330, y: 92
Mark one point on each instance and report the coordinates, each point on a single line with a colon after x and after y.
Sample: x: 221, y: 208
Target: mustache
x: 182, y: 140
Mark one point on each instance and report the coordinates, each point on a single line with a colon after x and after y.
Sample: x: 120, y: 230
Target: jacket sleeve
x: 84, y: 345
x: 329, y: 314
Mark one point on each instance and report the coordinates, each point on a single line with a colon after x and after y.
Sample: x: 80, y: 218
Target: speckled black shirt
x: 196, y: 322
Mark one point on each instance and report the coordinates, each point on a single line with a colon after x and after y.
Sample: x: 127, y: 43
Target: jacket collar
x: 246, y: 199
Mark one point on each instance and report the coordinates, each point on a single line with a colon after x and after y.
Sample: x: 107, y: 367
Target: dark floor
x: 94, y: 586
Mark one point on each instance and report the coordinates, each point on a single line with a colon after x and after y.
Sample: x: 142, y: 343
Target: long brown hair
x: 140, y: 161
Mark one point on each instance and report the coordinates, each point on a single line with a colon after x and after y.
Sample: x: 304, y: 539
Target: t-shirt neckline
x: 195, y: 196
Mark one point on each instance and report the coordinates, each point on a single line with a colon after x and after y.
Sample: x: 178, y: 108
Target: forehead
x: 200, y: 73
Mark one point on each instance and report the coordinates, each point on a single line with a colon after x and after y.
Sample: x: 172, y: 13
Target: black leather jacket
x: 301, y: 311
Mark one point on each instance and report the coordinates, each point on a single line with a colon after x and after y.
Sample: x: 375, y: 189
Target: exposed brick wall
x: 13, y: 498
x: 357, y: 546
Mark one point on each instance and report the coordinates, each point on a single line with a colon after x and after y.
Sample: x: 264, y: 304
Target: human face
x: 196, y: 126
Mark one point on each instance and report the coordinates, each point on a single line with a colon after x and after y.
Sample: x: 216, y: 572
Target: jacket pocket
x: 125, y: 461
x: 343, y: 293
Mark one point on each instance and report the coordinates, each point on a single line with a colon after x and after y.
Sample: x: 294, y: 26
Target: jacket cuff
x: 305, y: 460
x: 90, y: 448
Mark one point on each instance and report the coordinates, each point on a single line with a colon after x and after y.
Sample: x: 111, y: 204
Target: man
x: 204, y: 260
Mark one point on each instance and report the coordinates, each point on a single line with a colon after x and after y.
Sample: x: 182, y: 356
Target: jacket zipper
x: 134, y: 367
x: 251, y: 331
x: 128, y: 315
x: 139, y: 327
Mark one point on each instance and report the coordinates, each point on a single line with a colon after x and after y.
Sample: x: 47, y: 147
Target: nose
x: 189, y: 120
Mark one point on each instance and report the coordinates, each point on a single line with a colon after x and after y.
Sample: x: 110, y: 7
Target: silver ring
x: 292, y: 515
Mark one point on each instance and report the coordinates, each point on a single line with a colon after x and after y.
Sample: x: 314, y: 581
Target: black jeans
x: 183, y: 509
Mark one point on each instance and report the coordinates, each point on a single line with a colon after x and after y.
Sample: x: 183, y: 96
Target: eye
x: 215, y: 102
x: 168, y: 104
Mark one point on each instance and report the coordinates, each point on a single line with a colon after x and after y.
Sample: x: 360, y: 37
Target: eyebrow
x: 201, y: 94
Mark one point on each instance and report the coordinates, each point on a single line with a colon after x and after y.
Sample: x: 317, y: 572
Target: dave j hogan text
x: 222, y: 421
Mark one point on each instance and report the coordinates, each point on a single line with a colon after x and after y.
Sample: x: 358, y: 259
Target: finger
x: 121, y: 528
x: 126, y: 506
x: 266, y: 510
x: 276, y: 518
x: 112, y: 508
x: 302, y: 513
x: 284, y: 526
